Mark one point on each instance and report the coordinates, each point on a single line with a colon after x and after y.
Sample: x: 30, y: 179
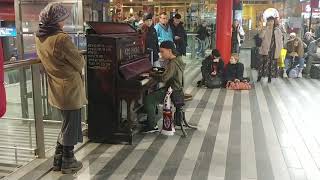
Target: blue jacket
x: 164, y: 34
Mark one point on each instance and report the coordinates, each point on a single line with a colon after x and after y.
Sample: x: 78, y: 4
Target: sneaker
x: 187, y: 97
x: 150, y: 130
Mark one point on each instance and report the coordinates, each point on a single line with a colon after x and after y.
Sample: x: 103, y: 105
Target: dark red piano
x: 116, y: 61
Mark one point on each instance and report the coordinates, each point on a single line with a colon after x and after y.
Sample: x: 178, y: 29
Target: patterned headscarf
x: 53, y: 13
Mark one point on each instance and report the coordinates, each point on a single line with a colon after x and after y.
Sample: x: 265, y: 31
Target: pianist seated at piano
x: 172, y: 77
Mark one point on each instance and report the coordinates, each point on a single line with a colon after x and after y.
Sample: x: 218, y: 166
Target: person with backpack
x: 294, y: 60
x: 212, y: 70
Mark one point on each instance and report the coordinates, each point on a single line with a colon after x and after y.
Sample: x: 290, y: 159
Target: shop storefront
x: 192, y: 12
x: 7, y: 30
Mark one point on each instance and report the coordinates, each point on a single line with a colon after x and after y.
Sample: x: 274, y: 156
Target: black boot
x: 259, y: 79
x: 57, y: 160
x: 269, y: 79
x: 69, y: 162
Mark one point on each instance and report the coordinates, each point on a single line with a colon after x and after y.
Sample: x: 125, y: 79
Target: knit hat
x: 169, y: 45
x: 53, y: 13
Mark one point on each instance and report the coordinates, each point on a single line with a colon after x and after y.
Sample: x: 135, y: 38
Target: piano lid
x: 111, y: 28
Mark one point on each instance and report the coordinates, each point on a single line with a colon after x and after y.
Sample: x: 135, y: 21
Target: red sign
x: 7, y: 12
x: 314, y: 3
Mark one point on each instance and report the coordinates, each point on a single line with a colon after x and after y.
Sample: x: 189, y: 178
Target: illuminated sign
x: 8, y: 32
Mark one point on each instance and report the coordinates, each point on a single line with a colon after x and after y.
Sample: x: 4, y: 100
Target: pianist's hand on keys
x: 145, y: 75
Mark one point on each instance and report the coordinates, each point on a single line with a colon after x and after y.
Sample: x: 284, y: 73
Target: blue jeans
x: 201, y: 48
x: 289, y: 60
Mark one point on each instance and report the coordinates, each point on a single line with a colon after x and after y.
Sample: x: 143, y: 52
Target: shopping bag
x: 167, y: 125
x: 283, y: 54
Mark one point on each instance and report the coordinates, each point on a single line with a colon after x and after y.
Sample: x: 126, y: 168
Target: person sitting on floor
x: 295, y: 53
x: 212, y: 67
x: 234, y: 70
x: 172, y: 77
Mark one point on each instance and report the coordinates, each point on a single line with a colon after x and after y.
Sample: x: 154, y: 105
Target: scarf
x: 47, y: 30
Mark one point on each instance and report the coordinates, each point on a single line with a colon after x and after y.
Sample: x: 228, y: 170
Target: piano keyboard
x: 144, y: 81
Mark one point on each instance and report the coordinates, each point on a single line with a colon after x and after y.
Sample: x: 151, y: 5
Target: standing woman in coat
x: 272, y: 43
x: 63, y: 64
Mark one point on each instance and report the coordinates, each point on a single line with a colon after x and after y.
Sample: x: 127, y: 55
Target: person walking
x: 202, y: 35
x: 272, y: 43
x: 63, y: 64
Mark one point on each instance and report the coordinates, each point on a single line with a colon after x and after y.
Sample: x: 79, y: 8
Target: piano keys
x: 116, y: 70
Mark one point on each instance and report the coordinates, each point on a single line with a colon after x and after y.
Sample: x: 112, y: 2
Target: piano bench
x: 180, y: 119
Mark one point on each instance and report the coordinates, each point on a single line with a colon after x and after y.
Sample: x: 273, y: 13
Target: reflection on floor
x: 268, y: 133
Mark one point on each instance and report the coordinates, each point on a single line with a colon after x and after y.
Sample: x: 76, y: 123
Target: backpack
x: 293, y: 72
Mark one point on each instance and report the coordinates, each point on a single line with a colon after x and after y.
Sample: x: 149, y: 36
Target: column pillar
x: 224, y: 31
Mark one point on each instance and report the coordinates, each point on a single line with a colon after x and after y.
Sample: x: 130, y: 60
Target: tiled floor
x: 268, y: 133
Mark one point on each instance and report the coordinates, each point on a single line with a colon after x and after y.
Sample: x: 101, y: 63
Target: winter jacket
x: 307, y: 43
x: 202, y: 33
x: 313, y: 48
x: 63, y: 64
x: 151, y: 40
x: 173, y: 74
x: 164, y: 33
x: 208, y: 67
x: 181, y: 44
x: 266, y: 36
x: 234, y: 71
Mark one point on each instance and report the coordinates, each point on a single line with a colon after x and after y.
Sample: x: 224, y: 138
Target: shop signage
x: 8, y: 32
x: 314, y: 3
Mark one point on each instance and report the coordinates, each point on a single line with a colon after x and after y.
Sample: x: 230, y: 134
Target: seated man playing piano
x: 172, y: 77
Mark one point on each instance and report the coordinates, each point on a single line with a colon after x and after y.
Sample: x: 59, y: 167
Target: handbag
x: 213, y: 82
x: 231, y: 85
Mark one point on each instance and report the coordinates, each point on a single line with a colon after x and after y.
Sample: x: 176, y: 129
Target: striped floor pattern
x: 17, y: 134
x: 268, y: 133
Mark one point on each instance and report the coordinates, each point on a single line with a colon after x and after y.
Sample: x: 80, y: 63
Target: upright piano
x: 116, y: 61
